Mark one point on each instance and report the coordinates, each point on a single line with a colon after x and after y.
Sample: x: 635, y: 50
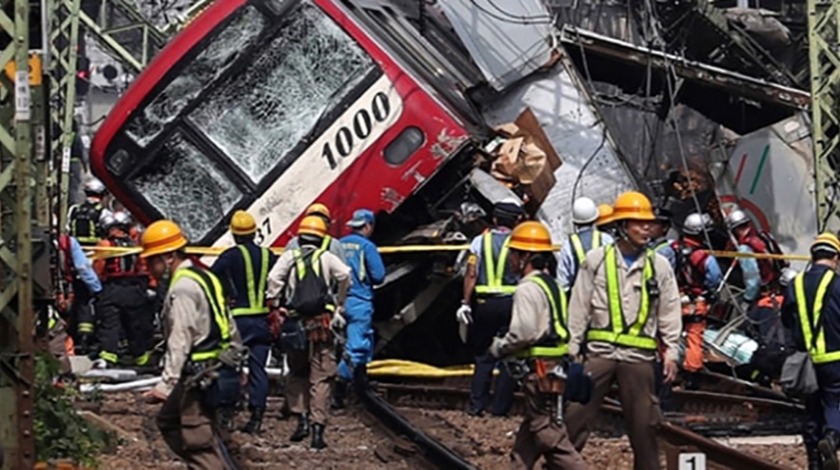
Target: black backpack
x: 311, y: 294
x: 84, y: 224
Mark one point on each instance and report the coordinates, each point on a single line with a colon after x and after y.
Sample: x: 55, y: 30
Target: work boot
x: 254, y: 424
x: 339, y: 392
x: 828, y: 449
x: 302, y: 428
x: 814, y: 458
x: 318, y: 437
x: 224, y: 418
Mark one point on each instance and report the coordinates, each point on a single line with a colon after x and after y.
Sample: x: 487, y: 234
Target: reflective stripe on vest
x: 618, y: 333
x: 494, y: 269
x: 219, y: 337
x: 816, y: 349
x: 577, y: 245
x: 557, y: 322
x: 315, y: 260
x: 256, y: 290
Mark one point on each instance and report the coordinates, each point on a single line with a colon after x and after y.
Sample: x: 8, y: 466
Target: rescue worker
x: 760, y: 276
x: 488, y: 289
x: 312, y: 368
x: 83, y: 219
x: 329, y: 243
x: 200, y: 337
x: 123, y: 305
x: 812, y: 314
x: 538, y: 333
x: 767, y: 329
x: 604, y: 221
x: 368, y: 270
x: 659, y: 240
x: 586, y: 237
x: 243, y: 269
x: 698, y: 277
x: 82, y: 288
x: 624, y: 301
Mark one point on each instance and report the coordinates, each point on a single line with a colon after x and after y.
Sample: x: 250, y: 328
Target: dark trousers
x: 256, y: 336
x: 491, y: 317
x: 124, y: 306
x: 82, y: 321
x: 823, y: 407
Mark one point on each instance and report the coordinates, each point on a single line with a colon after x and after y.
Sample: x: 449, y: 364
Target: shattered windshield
x: 206, y: 67
x: 262, y: 113
x: 184, y: 186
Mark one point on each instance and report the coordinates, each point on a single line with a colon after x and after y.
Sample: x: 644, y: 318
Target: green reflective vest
x: 577, y: 245
x: 494, y: 269
x: 555, y: 343
x: 219, y: 337
x: 617, y: 332
x: 809, y: 323
x: 256, y: 286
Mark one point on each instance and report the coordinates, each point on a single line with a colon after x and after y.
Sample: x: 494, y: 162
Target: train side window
x: 401, y: 148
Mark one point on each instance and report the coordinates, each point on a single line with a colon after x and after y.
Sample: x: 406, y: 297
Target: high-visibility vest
x: 256, y: 286
x: 315, y: 262
x: 219, y: 338
x: 617, y: 332
x: 577, y: 244
x: 494, y: 268
x: 555, y: 343
x: 816, y: 346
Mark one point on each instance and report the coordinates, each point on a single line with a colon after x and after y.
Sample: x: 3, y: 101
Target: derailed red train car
x: 270, y: 105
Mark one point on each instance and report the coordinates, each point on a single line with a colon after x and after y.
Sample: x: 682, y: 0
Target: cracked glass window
x: 184, y: 186
x: 259, y: 115
x: 210, y: 63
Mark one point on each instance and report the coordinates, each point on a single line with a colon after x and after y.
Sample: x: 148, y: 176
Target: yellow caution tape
x: 401, y: 368
x: 738, y: 254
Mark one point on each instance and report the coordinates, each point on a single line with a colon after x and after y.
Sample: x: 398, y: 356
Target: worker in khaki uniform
x: 538, y: 334
x: 201, y: 337
x: 624, y: 299
x: 312, y: 367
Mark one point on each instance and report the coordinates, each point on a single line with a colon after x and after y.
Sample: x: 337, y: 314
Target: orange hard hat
x: 531, y: 236
x: 632, y: 205
x: 242, y: 223
x: 313, y: 225
x: 605, y: 212
x: 318, y: 209
x: 826, y: 242
x: 163, y: 236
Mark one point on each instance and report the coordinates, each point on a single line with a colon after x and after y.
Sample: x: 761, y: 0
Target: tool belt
x: 318, y: 328
x: 551, y: 378
x: 218, y: 382
x: 297, y: 332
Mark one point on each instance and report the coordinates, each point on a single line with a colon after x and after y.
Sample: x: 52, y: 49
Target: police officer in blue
x: 368, y: 271
x: 243, y: 270
x: 812, y: 313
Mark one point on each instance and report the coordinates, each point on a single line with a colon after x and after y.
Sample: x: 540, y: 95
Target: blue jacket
x: 364, y: 260
x: 230, y: 268
x: 83, y: 267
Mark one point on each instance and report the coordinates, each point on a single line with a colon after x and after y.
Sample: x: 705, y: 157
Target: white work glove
x: 338, y: 322
x: 464, y: 314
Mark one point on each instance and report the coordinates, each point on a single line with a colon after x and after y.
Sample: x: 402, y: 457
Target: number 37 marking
x: 363, y: 122
x: 263, y: 232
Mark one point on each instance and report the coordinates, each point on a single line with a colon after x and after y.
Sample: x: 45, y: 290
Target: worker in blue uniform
x: 368, y: 271
x: 243, y: 270
x: 812, y: 314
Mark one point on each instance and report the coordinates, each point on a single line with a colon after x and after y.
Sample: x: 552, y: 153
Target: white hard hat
x: 736, y: 218
x: 94, y: 187
x: 122, y: 218
x: 107, y: 219
x: 694, y: 224
x: 584, y: 211
x: 787, y: 277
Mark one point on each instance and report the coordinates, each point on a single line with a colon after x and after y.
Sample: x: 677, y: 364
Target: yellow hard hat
x: 605, y: 212
x: 313, y: 225
x: 826, y: 242
x: 531, y: 236
x: 319, y: 209
x: 242, y: 223
x: 163, y: 236
x: 632, y: 205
